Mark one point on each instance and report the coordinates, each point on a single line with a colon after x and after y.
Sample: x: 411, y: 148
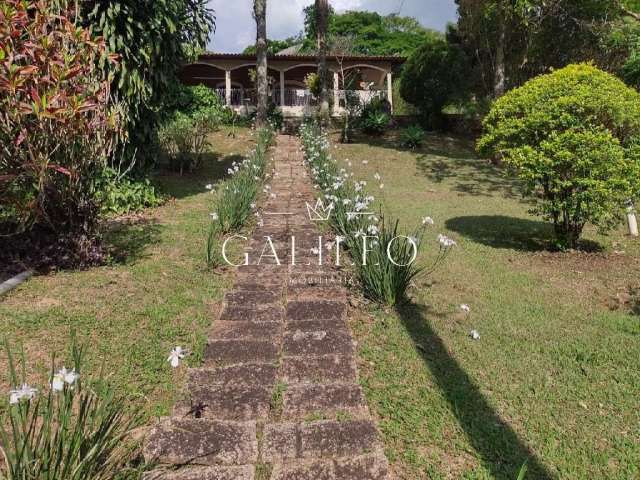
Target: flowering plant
x: 72, y: 429
x: 386, y: 264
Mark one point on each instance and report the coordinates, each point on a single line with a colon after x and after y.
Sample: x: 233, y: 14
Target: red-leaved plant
x: 57, y: 128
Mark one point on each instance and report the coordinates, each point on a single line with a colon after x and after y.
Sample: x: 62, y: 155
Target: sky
x: 235, y: 27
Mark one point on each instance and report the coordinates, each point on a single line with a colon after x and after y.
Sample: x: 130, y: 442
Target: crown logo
x: 319, y: 212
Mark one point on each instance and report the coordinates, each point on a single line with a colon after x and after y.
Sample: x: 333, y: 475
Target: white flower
x: 365, y: 162
x: 446, y: 242
x: 427, y: 221
x: 377, y: 176
x: 253, y: 206
x: 175, y: 356
x: 373, y: 229
x: 475, y: 335
x: 465, y: 308
x: 64, y: 376
x: 209, y: 186
x: 25, y: 392
x: 273, y: 195
x: 214, y: 216
x: 351, y: 216
x: 381, y: 186
x: 315, y: 251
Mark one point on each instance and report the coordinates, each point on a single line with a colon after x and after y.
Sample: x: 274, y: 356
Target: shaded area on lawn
x: 470, y: 175
x: 499, y: 446
x: 213, y: 170
x: 127, y: 241
x: 503, y: 232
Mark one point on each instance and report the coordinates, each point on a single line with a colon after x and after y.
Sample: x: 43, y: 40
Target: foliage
x: 184, y: 138
x: 118, y: 194
x: 78, y: 430
x: 538, y: 35
x: 275, y: 118
x: 189, y: 100
x: 152, y: 39
x: 56, y: 128
x: 573, y: 137
x: 434, y: 76
x: 236, y: 200
x: 373, y: 34
x: 412, y: 137
x: 275, y: 46
x: 375, y: 123
x: 312, y: 83
x: 383, y: 258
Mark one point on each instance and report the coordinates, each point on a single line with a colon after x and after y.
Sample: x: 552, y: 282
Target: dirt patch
x: 607, y: 279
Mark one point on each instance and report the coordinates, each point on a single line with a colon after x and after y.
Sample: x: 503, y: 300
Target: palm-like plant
x: 260, y: 15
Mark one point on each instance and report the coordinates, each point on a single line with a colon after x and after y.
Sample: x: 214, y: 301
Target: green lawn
x: 155, y: 293
x: 554, y: 378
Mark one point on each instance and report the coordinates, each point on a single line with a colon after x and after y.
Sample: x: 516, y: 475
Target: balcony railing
x: 295, y: 97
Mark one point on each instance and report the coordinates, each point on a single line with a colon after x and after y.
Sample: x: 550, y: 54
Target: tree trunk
x: 262, y: 87
x: 499, y: 83
x: 322, y: 20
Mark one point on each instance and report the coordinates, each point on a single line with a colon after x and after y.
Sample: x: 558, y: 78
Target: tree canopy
x: 372, y: 33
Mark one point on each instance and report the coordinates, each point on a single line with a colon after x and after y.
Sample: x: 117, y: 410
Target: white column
x: 282, y: 88
x: 227, y: 87
x: 390, y: 90
x: 336, y: 92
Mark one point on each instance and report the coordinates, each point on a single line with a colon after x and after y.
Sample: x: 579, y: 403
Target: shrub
x: 78, y: 430
x: 375, y: 123
x: 573, y: 137
x: 184, y: 139
x: 435, y: 75
x: 412, y: 137
x: 119, y: 194
x: 56, y: 128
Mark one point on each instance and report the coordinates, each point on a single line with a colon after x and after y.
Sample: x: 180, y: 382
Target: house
x: 230, y: 75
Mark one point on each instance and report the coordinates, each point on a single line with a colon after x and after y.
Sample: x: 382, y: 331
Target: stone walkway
x: 277, y: 397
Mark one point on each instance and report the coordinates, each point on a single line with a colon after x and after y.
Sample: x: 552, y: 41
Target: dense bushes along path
x: 278, y: 395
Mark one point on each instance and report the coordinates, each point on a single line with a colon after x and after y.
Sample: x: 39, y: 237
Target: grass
x: 155, y: 294
x: 553, y: 380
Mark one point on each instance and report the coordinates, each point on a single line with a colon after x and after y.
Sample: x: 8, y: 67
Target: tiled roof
x: 244, y: 56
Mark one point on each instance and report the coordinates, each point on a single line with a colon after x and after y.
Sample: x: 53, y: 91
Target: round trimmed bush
x: 573, y: 138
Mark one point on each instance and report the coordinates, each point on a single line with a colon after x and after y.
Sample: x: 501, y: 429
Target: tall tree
x: 153, y: 39
x: 322, y: 23
x: 262, y: 86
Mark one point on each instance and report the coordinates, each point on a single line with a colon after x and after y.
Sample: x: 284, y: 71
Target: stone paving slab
x: 245, y: 472
x: 365, y: 467
x: 302, y: 400
x: 245, y: 374
x: 241, y: 351
x: 227, y: 402
x: 323, y: 369
x: 315, y: 440
x: 315, y: 310
x: 320, y: 342
x: 248, y: 314
x: 247, y: 330
x: 201, y: 442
